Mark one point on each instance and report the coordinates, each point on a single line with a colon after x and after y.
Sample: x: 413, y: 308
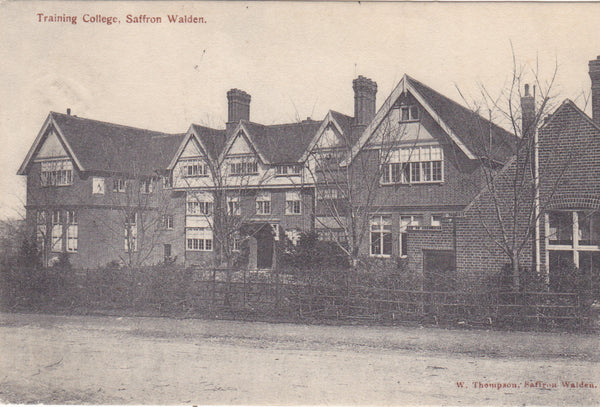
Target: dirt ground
x: 108, y: 360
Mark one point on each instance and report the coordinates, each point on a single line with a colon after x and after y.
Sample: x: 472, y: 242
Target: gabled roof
x: 568, y: 103
x: 277, y: 143
x: 340, y: 121
x: 467, y: 129
x: 211, y: 141
x: 100, y: 146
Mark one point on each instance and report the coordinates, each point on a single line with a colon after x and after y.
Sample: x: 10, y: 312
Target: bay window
x: 56, y: 173
x: 293, y: 203
x: 199, y: 239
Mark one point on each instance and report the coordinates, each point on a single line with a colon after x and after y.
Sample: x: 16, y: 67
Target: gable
x: 396, y: 131
x: 51, y: 147
x: 240, y: 146
x: 191, y: 149
x: 329, y: 138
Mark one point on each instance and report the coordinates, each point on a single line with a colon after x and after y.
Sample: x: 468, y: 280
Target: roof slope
x: 470, y: 127
x: 212, y: 139
x: 282, y: 143
x: 102, y: 146
x: 345, y: 123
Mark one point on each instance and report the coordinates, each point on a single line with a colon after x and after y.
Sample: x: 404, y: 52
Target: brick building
x: 405, y: 181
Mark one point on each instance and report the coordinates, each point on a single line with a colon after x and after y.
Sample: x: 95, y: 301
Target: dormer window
x: 409, y: 113
x: 194, y: 168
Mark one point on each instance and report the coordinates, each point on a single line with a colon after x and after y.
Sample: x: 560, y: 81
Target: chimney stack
x: 365, y: 91
x: 528, y: 112
x: 68, y: 111
x: 595, y: 77
x: 238, y: 107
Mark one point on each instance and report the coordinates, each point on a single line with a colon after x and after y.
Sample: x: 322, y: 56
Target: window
x: 119, y: 185
x: 574, y: 237
x: 282, y: 170
x: 263, y: 203
x: 56, y: 173
x: 407, y: 221
x: 200, y: 203
x: 98, y: 186
x: 293, y: 203
x: 410, y: 165
x: 146, y: 186
x: 131, y: 241
x: 236, y: 244
x: 194, y: 168
x: 275, y: 229
x: 409, y: 113
x: 41, y: 230
x: 167, y: 221
x: 168, y: 180
x: 381, y: 236
x: 57, y: 231
x: 72, y: 231
x: 328, y: 193
x: 233, y: 205
x: 436, y: 221
x: 244, y: 168
x: 199, y: 239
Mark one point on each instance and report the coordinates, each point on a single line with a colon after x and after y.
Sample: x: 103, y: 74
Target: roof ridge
x: 207, y: 127
x: 113, y: 124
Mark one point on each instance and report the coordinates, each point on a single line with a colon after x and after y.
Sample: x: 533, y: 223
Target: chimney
x: 68, y: 111
x: 238, y: 107
x: 595, y: 77
x: 365, y: 91
x: 528, y: 112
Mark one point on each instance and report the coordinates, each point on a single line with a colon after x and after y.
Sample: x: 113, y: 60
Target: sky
x: 296, y: 59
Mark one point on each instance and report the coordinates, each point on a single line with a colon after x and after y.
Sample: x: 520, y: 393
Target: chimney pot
x: 527, y: 113
x: 68, y: 111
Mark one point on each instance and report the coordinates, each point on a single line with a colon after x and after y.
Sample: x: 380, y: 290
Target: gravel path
x: 107, y: 360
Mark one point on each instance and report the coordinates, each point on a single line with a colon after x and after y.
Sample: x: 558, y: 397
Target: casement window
x: 56, y: 173
x: 573, y: 237
x: 98, y: 187
x: 413, y: 165
x: 199, y: 239
x: 407, y: 221
x: 409, y: 113
x: 195, y: 168
x: 199, y: 203
x: 119, y: 185
x: 233, y: 206
x: 293, y: 203
x: 381, y: 236
x: 41, y: 229
x: 245, y: 167
x: 57, y: 231
x: 131, y: 241
x: 146, y: 186
x: 263, y: 203
x: 283, y: 170
x: 72, y: 231
x: 236, y: 243
x: 168, y: 221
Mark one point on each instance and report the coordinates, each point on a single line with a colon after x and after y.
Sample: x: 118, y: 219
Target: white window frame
x: 56, y: 173
x: 168, y: 221
x: 413, y: 113
x: 243, y: 166
x: 198, y: 239
x: 575, y: 247
x: 293, y: 203
x: 287, y: 170
x: 57, y: 231
x: 72, y: 231
x: 378, y: 225
x: 263, y: 203
x: 199, y: 203
x: 194, y: 168
x: 410, y: 165
x: 98, y: 186
x: 146, y: 186
x: 119, y: 185
x: 233, y: 206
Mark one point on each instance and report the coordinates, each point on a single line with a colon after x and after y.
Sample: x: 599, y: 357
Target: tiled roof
x: 345, y: 123
x: 472, y: 129
x: 213, y: 139
x: 102, y: 146
x: 282, y: 143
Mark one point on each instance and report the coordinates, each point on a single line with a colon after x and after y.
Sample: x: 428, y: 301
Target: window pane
x: 375, y: 243
x: 387, y: 243
x: 561, y: 228
x: 589, y: 228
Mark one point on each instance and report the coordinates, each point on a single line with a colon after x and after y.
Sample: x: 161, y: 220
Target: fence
x: 266, y: 296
